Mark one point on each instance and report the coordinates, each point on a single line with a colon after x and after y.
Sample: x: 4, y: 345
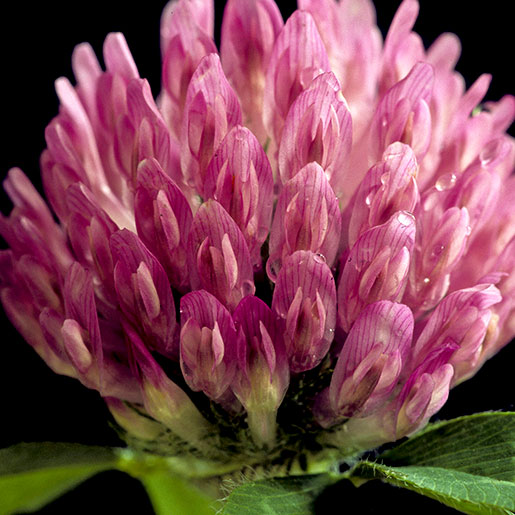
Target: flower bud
x: 208, y: 336
x: 239, y: 177
x: 249, y: 30
x: 318, y: 128
x: 219, y: 257
x: 163, y: 220
x: 263, y: 374
x: 369, y: 364
x: 305, y: 299
x: 377, y: 267
x: 306, y: 217
x: 297, y: 58
x: 211, y: 110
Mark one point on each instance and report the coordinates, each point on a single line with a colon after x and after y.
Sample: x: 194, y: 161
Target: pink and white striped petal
x: 208, y: 339
x: 163, y: 220
x: 307, y: 217
x: 240, y: 178
x: 211, y: 110
x: 305, y: 299
x: 318, y: 128
x: 249, y: 31
x: 377, y: 267
x: 219, y: 259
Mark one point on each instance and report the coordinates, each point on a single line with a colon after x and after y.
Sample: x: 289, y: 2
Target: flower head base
x: 305, y: 241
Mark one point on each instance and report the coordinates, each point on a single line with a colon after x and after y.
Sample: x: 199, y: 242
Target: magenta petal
x: 163, y: 220
x: 249, y: 31
x: 144, y: 292
x: 425, y: 391
x: 463, y: 318
x: 297, y: 58
x: 383, y: 330
x: 305, y: 299
x: 239, y: 177
x: 388, y: 187
x: 219, y: 258
x: 307, y: 217
x: 403, y: 113
x: 318, y: 128
x: 211, y: 110
x: 377, y: 267
x: 185, y: 41
x: 443, y: 241
x: 208, y: 337
x: 263, y: 374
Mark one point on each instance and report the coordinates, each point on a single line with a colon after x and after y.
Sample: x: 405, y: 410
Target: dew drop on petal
x: 445, y: 182
x: 426, y: 280
x: 437, y: 250
x: 405, y: 218
x: 384, y: 178
x: 468, y: 230
x: 368, y: 199
x: 320, y: 258
x: 490, y: 152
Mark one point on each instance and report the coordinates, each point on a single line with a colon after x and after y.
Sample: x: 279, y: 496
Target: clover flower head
x: 307, y: 239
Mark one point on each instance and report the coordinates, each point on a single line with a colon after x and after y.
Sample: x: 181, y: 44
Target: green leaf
x: 477, y: 495
x: 282, y: 496
x: 171, y: 494
x: 481, y: 444
x: 33, y: 474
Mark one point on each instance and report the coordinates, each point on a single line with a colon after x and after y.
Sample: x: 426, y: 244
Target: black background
x: 36, y: 45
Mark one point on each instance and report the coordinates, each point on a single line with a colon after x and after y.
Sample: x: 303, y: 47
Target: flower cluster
x: 308, y: 237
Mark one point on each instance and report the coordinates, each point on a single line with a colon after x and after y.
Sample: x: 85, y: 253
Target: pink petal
x: 297, y: 58
x: 163, y: 219
x: 307, y: 217
x: 143, y: 291
x: 249, y: 30
x: 388, y: 187
x: 219, y: 258
x: 318, y: 128
x: 208, y: 336
x: 305, y: 298
x: 212, y: 109
x: 377, y: 267
x: 239, y: 177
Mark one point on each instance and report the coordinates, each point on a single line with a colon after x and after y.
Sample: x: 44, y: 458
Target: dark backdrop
x: 36, y: 44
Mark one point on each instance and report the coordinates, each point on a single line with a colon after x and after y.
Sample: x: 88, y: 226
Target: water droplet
x: 437, y: 250
x: 368, y: 199
x: 490, y: 152
x: 445, y: 182
x: 331, y: 330
x: 385, y: 178
x: 468, y: 230
x: 426, y: 280
x: 405, y: 218
x: 319, y: 258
